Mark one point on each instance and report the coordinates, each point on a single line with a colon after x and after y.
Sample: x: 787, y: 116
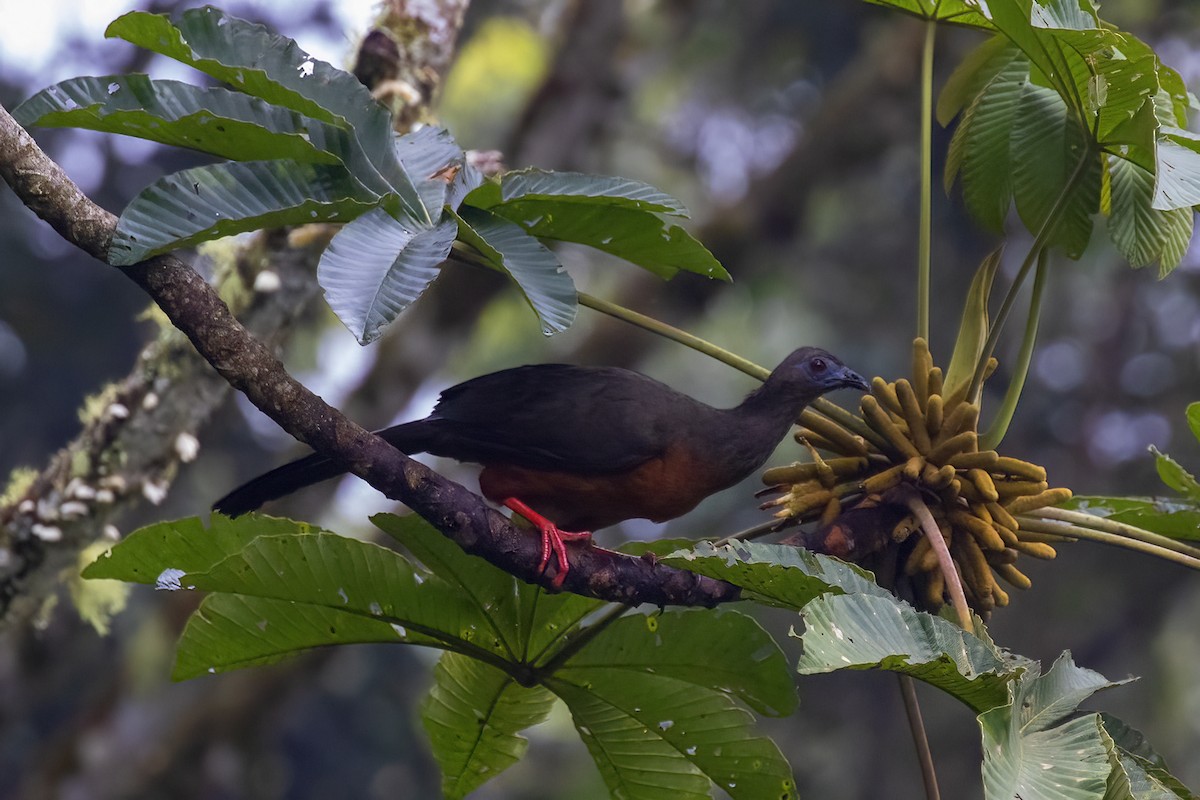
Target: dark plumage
x: 587, y: 447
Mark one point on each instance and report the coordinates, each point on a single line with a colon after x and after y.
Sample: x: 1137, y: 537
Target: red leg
x: 552, y: 539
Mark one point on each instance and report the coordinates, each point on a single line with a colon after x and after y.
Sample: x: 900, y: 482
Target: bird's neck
x: 746, y: 435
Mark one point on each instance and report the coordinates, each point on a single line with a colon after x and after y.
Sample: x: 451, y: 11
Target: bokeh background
x: 790, y: 130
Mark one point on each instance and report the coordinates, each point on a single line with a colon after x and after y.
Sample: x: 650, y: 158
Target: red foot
x: 553, y: 540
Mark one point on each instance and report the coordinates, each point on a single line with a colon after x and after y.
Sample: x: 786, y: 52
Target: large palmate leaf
x: 528, y: 619
x: 212, y: 120
x: 1037, y: 747
x: 652, y: 698
x: 474, y: 714
x: 376, y: 266
x: 508, y: 248
x: 209, y: 202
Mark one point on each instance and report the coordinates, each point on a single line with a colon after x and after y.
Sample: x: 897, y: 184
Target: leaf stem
x: 999, y: 427
x: 1039, y: 242
x: 674, y: 334
x: 924, y: 226
x: 912, y: 709
x: 1043, y: 525
x: 1099, y: 523
x: 953, y: 583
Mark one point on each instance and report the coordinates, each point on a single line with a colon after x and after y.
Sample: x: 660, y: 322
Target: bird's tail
x: 409, y: 438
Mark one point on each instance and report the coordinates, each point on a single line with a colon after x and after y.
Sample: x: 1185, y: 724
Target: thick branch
x: 196, y: 310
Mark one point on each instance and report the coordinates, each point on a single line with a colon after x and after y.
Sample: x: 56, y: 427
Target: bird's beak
x: 852, y: 380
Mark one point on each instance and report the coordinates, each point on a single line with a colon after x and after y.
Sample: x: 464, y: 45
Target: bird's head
x: 819, y: 371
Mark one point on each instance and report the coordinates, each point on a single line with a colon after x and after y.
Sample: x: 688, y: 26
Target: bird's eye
x: 818, y: 365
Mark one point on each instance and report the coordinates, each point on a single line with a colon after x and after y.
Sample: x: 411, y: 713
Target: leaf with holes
x: 1038, y: 746
x: 872, y: 632
x: 251, y: 59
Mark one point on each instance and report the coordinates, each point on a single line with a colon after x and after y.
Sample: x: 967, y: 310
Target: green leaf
x: 725, y: 651
x: 973, y: 329
x: 981, y: 142
x: 872, y: 632
x: 1167, y: 517
x: 643, y: 698
x: 376, y: 266
x: 959, y: 12
x: 1036, y: 746
x: 231, y: 631
x: 1193, y: 419
x: 1047, y: 146
x: 212, y: 120
x: 508, y: 248
x: 1177, y: 170
x: 636, y: 236
x: 1174, y: 475
x: 576, y: 187
x: 473, y: 715
x: 253, y: 60
x: 1138, y: 772
x: 779, y: 575
x: 184, y: 545
x: 424, y: 153
x: 1145, y: 235
x: 353, y: 577
x: 973, y: 73
x: 205, y: 203
x: 530, y: 620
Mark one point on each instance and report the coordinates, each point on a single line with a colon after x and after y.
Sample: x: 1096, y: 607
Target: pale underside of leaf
x: 376, y: 266
x: 205, y: 203
x: 537, y: 271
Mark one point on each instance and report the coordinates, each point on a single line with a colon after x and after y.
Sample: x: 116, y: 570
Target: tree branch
x: 251, y: 368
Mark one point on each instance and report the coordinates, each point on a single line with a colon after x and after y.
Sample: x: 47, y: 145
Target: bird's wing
x: 558, y: 417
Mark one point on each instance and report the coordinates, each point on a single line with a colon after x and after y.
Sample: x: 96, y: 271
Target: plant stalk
x: 1106, y: 525
x: 925, y: 224
x: 916, y: 725
x: 999, y: 427
x: 1043, y: 525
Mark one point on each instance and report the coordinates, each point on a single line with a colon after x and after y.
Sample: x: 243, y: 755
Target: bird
x: 572, y: 449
